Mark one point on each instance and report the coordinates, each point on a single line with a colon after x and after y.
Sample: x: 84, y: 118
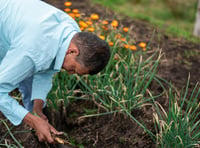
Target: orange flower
x: 105, y: 28
x: 89, y: 22
x: 68, y: 4
x: 133, y: 47
x: 125, y: 29
x: 94, y: 16
x: 82, y: 28
x: 75, y: 11
x: 142, y: 44
x: 118, y: 36
x: 91, y: 29
x: 83, y: 24
x: 144, y: 49
x: 126, y: 46
x: 114, y: 23
x: 71, y: 14
x: 67, y: 9
x: 102, y: 37
x: 123, y: 39
x: 77, y: 15
x: 111, y: 43
x: 105, y: 22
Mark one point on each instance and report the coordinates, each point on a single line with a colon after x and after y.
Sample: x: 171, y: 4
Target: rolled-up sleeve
x: 13, y: 69
x: 42, y: 84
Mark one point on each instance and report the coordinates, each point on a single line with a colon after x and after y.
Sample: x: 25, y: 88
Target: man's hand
x: 38, y: 108
x: 43, y: 128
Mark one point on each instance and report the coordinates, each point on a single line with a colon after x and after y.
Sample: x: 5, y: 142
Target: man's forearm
x: 38, y: 105
x: 38, y: 108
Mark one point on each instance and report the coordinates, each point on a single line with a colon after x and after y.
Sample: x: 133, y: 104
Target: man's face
x: 72, y: 66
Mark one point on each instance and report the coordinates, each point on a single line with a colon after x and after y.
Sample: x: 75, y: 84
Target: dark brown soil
x: 117, y: 130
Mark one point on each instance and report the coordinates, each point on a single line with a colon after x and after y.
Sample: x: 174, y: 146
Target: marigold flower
x: 75, y: 11
x: 105, y: 22
x: 82, y: 28
x: 126, y: 46
x: 114, y: 23
x: 111, y: 43
x: 77, y: 15
x: 102, y: 37
x: 91, y: 29
x: 71, y: 14
x: 133, y: 47
x: 68, y: 4
x: 67, y: 9
x: 83, y: 24
x: 105, y: 28
x: 123, y: 39
x: 125, y: 29
x: 89, y: 22
x: 94, y: 16
x: 142, y: 44
x: 118, y: 36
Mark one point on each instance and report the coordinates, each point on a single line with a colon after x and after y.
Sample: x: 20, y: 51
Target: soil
x: 180, y: 59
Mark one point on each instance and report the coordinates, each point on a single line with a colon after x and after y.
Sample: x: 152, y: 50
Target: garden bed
x: 118, y: 130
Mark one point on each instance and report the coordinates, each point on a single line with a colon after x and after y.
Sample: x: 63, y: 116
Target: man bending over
x: 36, y: 41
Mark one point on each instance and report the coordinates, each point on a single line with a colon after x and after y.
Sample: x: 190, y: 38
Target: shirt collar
x: 62, y: 51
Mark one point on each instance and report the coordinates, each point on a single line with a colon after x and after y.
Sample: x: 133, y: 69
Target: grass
x: 158, y: 14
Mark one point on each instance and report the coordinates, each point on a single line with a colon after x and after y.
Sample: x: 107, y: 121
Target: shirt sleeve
x: 42, y: 84
x: 13, y: 69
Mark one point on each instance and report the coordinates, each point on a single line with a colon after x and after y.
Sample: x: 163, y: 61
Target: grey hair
x: 94, y: 52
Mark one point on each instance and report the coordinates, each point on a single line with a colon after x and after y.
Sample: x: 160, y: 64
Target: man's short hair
x: 94, y: 52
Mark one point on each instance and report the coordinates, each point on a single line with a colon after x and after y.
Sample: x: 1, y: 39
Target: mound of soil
x: 180, y: 59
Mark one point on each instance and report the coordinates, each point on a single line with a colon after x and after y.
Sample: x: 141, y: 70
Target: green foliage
x: 64, y: 88
x: 124, y: 81
x: 8, y: 144
x: 179, y: 126
x: 177, y: 8
x: 169, y: 15
x: 73, y: 142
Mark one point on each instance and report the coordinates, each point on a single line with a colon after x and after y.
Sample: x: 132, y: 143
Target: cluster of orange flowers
x: 102, y: 28
x: 74, y: 13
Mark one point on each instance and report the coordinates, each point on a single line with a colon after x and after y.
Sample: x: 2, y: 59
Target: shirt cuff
x: 40, y: 97
x: 13, y: 111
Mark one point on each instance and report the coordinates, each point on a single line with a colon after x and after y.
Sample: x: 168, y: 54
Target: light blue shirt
x: 34, y: 38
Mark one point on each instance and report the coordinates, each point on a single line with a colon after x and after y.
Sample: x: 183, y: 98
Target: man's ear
x: 73, y: 51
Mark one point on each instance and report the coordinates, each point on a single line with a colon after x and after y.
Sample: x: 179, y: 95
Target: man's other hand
x: 43, y: 129
x: 38, y: 108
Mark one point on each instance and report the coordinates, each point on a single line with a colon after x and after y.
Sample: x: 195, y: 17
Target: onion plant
x: 180, y: 125
x: 125, y: 81
x: 64, y: 88
x: 6, y: 142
